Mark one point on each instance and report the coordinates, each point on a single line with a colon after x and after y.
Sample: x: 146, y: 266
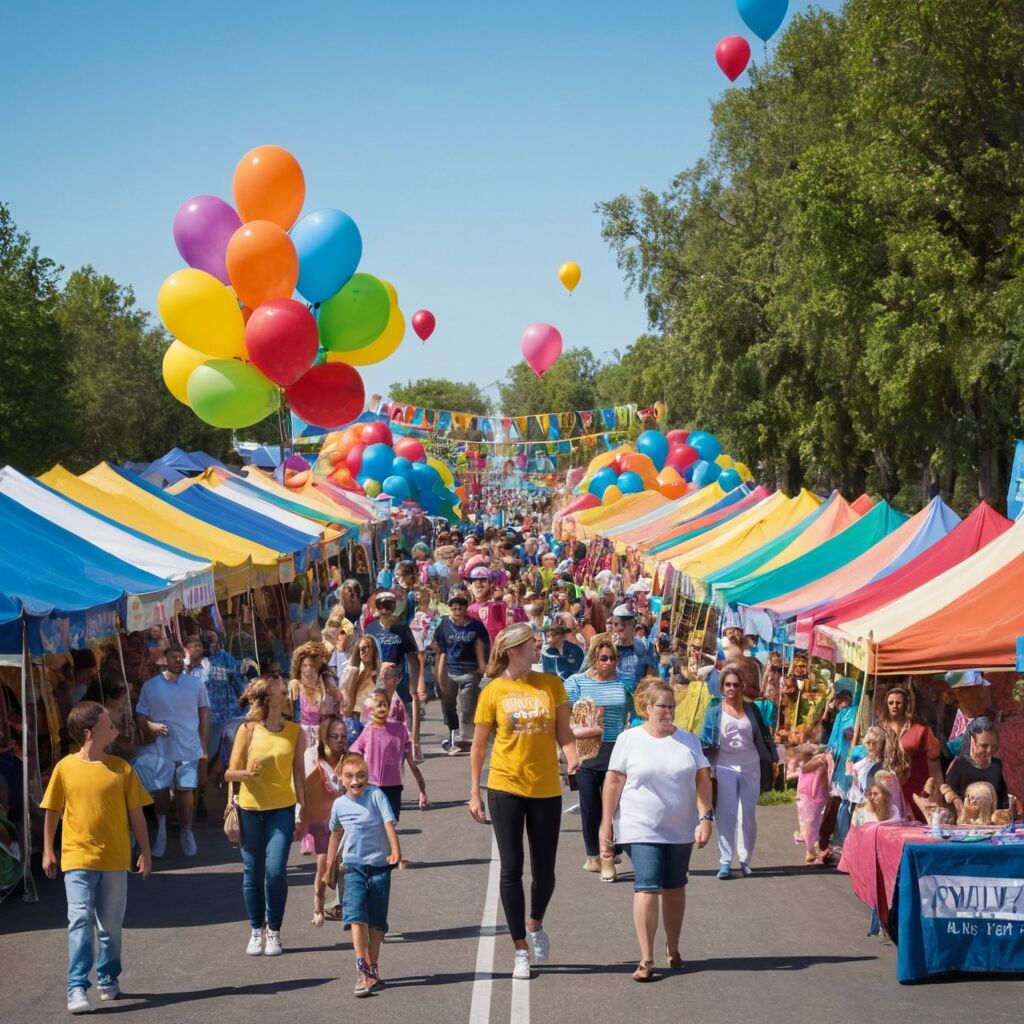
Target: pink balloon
x: 682, y: 456
x: 542, y: 345
x: 411, y: 449
x: 677, y: 437
x: 733, y: 56
x: 423, y: 323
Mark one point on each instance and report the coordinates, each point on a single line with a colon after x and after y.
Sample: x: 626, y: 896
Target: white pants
x: 735, y: 812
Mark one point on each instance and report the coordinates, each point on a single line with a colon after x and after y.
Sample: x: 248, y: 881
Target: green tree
x: 569, y: 385
x: 438, y: 393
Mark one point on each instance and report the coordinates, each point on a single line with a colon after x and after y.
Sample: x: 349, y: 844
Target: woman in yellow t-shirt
x: 267, y: 761
x: 529, y: 714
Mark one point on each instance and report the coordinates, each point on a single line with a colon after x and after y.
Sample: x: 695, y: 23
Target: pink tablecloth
x: 871, y: 857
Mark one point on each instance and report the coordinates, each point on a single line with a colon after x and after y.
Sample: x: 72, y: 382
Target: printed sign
x: 968, y: 897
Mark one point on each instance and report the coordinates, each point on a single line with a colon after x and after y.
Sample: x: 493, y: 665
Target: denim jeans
x: 266, y: 838
x: 95, y: 899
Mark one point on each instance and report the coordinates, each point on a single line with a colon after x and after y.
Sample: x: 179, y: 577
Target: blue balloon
x: 429, y: 502
x: 402, y: 467
x: 705, y: 473
x: 729, y: 479
x: 762, y: 17
x: 653, y: 444
x: 424, y: 477
x: 447, y: 497
x: 377, y: 461
x: 707, y: 446
x: 688, y: 472
x: 602, y: 480
x: 329, y: 247
x: 397, y: 487
x: 630, y: 483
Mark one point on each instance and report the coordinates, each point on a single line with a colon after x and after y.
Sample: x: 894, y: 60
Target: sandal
x: 644, y: 971
x: 673, y: 959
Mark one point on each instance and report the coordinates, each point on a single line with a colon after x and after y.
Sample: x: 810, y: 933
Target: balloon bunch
x: 672, y: 464
x: 365, y: 458
x: 240, y: 336
x: 763, y: 18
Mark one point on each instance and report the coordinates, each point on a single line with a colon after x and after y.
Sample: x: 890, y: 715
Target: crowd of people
x: 557, y: 659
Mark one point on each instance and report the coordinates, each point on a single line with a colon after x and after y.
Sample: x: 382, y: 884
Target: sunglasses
x: 731, y: 686
x: 607, y: 657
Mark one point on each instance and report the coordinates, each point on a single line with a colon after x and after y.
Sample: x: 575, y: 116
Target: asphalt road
x: 787, y: 944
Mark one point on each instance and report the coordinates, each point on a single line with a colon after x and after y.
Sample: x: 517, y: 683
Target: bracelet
x: 706, y: 817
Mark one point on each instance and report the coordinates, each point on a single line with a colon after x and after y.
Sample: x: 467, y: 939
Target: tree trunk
x: 888, y: 475
x: 793, y: 479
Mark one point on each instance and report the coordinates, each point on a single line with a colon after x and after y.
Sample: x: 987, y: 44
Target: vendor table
x: 957, y: 906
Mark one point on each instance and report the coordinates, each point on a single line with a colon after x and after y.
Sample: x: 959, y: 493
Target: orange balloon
x: 635, y: 462
x: 342, y: 478
x: 262, y: 263
x: 269, y: 185
x: 246, y: 313
x: 670, y: 483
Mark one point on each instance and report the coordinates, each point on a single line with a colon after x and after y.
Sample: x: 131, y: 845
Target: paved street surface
x: 787, y: 945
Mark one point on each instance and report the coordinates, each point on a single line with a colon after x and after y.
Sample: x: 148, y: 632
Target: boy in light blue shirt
x: 371, y: 850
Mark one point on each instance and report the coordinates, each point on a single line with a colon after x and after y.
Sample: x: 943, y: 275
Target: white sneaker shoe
x: 255, y: 947
x: 109, y: 994
x: 541, y: 945
x: 272, y: 947
x: 188, y: 843
x: 78, y: 1001
x: 520, y: 967
x: 159, y: 847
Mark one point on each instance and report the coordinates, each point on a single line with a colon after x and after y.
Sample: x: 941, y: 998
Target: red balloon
x: 423, y: 323
x: 328, y: 395
x: 733, y: 56
x: 354, y: 459
x: 677, y: 437
x: 681, y: 456
x: 411, y: 449
x: 281, y: 339
x: 376, y: 433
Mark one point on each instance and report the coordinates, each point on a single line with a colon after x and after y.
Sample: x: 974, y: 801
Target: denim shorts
x: 177, y: 774
x: 658, y: 866
x: 366, y: 896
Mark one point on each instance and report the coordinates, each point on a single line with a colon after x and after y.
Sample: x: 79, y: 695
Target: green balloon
x: 354, y: 317
x: 231, y: 394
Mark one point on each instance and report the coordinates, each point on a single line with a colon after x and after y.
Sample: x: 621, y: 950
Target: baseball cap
x: 479, y: 572
x: 623, y: 611
x: 385, y: 595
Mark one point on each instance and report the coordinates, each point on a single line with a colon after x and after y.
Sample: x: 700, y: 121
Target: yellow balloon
x: 611, y: 494
x: 446, y: 474
x: 391, y: 290
x: 384, y: 345
x: 202, y: 313
x: 600, y: 461
x: 744, y: 473
x: 725, y: 461
x: 569, y: 275
x: 179, y: 362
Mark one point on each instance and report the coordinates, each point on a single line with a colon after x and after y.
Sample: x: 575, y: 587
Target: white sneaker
x: 520, y: 967
x: 188, y: 843
x: 159, y: 847
x: 541, y: 945
x: 78, y: 1001
x: 272, y: 947
x: 109, y: 994
x: 255, y: 947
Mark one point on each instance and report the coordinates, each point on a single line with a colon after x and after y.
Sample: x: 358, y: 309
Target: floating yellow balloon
x: 179, y: 362
x: 446, y: 474
x: 744, y: 473
x: 569, y: 275
x: 202, y: 314
x: 384, y: 345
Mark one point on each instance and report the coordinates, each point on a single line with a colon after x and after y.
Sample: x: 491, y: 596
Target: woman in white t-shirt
x: 657, y: 802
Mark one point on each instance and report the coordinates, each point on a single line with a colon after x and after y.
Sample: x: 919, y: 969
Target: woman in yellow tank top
x: 267, y: 762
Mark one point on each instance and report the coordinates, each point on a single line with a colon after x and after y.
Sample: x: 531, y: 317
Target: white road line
x: 480, y: 1007
x: 520, y: 1002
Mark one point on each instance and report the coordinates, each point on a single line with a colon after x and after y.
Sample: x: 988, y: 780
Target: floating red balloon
x: 281, y: 340
x: 376, y: 433
x: 733, y: 56
x: 411, y: 449
x: 423, y: 323
x: 328, y: 395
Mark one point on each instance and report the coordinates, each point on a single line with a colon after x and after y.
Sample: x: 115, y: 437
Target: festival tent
x: 321, y: 496
x: 11, y: 642
x: 129, y: 545
x: 915, y: 535
x: 654, y: 524
x: 863, y: 504
x: 238, y: 565
x: 592, y: 522
x: 744, y: 534
x: 981, y: 527
x: 852, y: 638
x: 695, y: 525
x: 820, y: 561
x: 828, y: 519
x: 206, y: 506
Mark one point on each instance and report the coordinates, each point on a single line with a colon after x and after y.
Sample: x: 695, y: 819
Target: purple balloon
x: 203, y: 226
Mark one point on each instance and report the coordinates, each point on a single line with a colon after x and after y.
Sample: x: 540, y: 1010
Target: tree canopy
x: 438, y: 393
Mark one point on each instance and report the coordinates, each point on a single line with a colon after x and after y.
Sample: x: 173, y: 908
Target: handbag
x: 232, y: 819
x: 584, y: 713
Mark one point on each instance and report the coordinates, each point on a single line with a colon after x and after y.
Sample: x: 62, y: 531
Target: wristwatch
x: 706, y: 817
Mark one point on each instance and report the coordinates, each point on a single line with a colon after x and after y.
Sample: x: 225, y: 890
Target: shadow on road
x: 448, y: 863
x: 462, y: 932
x: 129, y: 1001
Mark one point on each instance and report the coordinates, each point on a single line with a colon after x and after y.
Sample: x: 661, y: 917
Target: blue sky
x: 469, y: 141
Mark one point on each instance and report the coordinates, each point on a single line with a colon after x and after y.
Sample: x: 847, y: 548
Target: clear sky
x: 469, y: 141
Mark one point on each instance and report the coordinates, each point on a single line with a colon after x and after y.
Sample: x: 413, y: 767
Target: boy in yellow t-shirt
x: 99, y: 796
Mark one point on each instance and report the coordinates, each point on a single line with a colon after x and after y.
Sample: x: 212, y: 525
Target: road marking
x: 520, y: 1002
x: 480, y: 1007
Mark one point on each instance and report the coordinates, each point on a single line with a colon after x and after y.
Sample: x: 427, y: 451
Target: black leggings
x: 542, y: 817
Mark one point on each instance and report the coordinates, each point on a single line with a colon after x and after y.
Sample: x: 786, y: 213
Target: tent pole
x: 28, y: 882
x: 255, y: 642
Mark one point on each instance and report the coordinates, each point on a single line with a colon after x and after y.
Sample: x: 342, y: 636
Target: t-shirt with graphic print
x: 524, y: 759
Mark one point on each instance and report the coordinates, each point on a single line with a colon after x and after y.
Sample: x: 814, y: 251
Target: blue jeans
x: 95, y: 898
x: 266, y: 838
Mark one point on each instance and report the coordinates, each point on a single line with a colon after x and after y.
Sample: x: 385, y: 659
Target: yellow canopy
x: 309, y: 495
x: 238, y: 564
x: 592, y: 522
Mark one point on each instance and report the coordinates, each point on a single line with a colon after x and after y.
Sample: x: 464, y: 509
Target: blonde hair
x: 256, y: 694
x: 511, y: 636
x: 598, y: 641
x: 643, y: 691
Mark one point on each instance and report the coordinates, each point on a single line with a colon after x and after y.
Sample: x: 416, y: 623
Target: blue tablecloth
x: 961, y: 908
